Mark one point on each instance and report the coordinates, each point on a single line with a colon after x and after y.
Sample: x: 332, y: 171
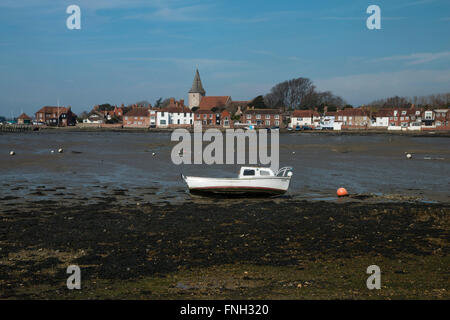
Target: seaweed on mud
x: 124, y: 242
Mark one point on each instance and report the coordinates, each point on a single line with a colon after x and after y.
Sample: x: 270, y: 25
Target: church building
x: 198, y: 98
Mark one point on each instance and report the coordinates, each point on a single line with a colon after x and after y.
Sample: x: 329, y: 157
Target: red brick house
x: 213, y: 118
x: 263, y: 118
x: 137, y: 117
x: 442, y: 119
x: 404, y: 117
x: 56, y: 116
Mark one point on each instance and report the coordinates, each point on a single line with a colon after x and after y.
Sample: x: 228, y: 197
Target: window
x: 403, y: 112
x: 277, y: 123
x: 126, y: 118
x: 267, y: 116
x: 258, y: 116
x: 204, y: 116
x: 211, y: 116
x: 264, y: 173
x: 249, y: 116
x: 248, y: 172
x: 163, y: 121
x: 277, y: 116
x: 162, y: 114
x: 135, y: 118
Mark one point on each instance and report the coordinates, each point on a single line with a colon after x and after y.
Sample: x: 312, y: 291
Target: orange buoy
x: 341, y: 192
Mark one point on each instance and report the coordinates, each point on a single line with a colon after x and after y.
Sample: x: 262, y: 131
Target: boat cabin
x: 255, y: 172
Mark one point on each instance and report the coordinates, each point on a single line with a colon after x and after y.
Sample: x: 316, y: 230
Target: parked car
x: 306, y: 128
x: 318, y: 128
x: 298, y: 128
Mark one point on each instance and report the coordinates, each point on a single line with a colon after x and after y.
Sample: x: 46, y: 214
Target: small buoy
x: 341, y: 192
x: 408, y: 155
x: 60, y: 150
x: 293, y: 152
x: 153, y: 154
x: 53, y: 151
x: 11, y: 153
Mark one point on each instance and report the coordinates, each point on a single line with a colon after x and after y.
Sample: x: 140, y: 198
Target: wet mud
x: 112, y: 242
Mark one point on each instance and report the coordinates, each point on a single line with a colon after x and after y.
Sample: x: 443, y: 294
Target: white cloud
x: 417, y: 58
x: 364, y: 88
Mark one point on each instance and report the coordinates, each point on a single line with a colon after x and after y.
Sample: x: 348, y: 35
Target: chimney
x: 172, y: 101
x: 325, y: 109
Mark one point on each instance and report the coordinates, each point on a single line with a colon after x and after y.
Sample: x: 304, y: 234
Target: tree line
x: 441, y: 100
x: 299, y: 93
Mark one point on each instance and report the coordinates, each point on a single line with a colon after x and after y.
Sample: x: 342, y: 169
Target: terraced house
x: 137, y: 117
x: 213, y: 118
x: 263, y: 118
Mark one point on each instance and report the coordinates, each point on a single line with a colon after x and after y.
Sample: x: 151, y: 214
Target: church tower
x: 197, y: 92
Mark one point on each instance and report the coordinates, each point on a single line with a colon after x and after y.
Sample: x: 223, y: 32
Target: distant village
x: 223, y: 112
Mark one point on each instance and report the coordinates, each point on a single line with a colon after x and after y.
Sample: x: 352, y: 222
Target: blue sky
x: 127, y: 51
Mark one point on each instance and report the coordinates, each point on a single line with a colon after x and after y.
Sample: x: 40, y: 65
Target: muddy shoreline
x: 354, y: 132
x: 143, y: 250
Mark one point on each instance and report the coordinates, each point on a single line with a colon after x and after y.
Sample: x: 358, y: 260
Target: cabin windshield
x: 248, y: 172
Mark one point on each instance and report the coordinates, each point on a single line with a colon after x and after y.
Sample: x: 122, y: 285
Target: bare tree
x: 300, y: 93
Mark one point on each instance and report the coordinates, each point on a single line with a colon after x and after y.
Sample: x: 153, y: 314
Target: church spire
x: 197, y: 86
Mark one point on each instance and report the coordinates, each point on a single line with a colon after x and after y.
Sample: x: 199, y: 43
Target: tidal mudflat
x: 123, y: 215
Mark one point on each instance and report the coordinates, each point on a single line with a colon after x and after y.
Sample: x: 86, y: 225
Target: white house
x: 382, y: 118
x: 304, y: 118
x: 176, y: 114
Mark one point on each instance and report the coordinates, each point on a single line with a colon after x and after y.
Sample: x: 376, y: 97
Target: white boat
x: 251, y: 180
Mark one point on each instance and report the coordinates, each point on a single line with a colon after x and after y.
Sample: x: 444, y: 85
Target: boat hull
x: 260, y: 186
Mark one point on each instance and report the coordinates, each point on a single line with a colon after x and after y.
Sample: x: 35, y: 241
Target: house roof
x: 138, y: 112
x: 214, y: 101
x: 197, y: 86
x: 203, y: 111
x: 262, y: 111
x: 352, y: 112
x: 176, y: 109
x: 24, y: 116
x: 383, y: 113
x: 49, y: 109
x: 305, y: 113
